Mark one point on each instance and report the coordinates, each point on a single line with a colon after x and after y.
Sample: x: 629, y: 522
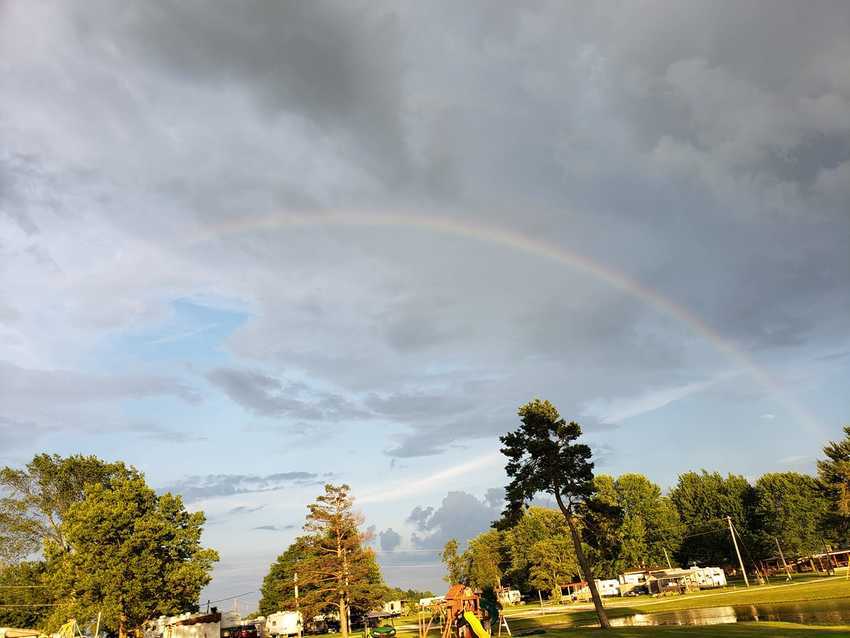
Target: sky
x: 251, y: 248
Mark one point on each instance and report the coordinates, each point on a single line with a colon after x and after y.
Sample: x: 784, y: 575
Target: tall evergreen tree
x: 543, y: 456
x: 338, y: 570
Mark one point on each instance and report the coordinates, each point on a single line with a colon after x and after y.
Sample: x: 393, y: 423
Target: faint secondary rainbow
x: 523, y: 243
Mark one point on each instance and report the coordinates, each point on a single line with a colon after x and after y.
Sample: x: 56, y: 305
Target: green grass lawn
x: 561, y: 623
x: 797, y: 591
x: 734, y: 630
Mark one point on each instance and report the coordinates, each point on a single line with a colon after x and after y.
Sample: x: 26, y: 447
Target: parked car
x: 241, y: 631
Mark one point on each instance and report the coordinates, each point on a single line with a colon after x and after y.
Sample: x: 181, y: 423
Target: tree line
x: 604, y: 525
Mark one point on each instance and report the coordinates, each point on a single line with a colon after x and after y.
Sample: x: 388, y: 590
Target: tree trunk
x: 343, y: 617
x: 122, y: 626
x: 586, y: 571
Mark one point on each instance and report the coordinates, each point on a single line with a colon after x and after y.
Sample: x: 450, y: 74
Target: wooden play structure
x: 460, y: 615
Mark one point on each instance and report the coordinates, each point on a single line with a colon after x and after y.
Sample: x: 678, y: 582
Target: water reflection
x: 820, y: 612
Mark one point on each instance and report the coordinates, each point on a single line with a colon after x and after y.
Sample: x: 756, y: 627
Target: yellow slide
x: 476, y: 625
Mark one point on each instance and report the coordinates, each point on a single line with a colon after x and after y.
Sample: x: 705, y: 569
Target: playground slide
x: 476, y: 625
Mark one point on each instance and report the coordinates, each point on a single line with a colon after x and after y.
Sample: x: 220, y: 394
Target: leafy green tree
x: 553, y: 563
x: 649, y: 523
x: 456, y: 564
x: 278, y: 589
x: 633, y: 541
x: 834, y: 480
x: 132, y: 555
x: 36, y: 499
x: 338, y: 570
x: 485, y: 558
x: 24, y: 601
x: 543, y: 456
x: 790, y: 507
x: 703, y: 501
x: 536, y: 524
x: 603, y: 520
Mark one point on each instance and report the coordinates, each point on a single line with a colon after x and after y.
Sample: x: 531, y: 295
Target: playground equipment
x: 460, y: 615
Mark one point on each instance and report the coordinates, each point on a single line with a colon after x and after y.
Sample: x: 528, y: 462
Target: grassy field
x: 560, y: 622
x: 735, y: 630
x: 524, y: 618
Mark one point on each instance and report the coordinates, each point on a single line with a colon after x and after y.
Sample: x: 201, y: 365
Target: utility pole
x: 295, y: 579
x: 782, y: 556
x: 737, y: 551
x: 669, y: 566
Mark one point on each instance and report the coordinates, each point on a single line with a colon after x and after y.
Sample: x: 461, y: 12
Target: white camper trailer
x: 608, y: 587
x: 188, y: 625
x: 285, y: 623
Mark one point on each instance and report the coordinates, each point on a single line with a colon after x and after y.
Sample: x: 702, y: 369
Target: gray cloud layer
x: 196, y: 488
x: 702, y: 150
x: 460, y: 516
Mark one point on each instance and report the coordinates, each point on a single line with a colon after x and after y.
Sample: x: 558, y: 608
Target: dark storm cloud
x: 495, y: 497
x: 196, y: 488
x: 335, y: 66
x: 267, y: 396
x: 460, y: 516
x: 389, y: 539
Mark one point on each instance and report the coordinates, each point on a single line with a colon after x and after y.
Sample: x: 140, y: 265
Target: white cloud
x: 616, y: 410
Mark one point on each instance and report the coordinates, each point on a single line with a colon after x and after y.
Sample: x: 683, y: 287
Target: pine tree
x: 543, y: 456
x: 338, y: 570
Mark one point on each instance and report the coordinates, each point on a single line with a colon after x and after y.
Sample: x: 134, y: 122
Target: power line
x: 232, y: 597
x: 712, y: 531
x: 24, y: 586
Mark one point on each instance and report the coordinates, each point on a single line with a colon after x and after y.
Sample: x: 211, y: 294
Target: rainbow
x: 517, y: 241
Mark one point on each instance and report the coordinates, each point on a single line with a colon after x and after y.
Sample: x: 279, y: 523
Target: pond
x: 816, y: 612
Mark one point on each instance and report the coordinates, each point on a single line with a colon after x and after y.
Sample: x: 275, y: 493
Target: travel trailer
x: 284, y: 623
